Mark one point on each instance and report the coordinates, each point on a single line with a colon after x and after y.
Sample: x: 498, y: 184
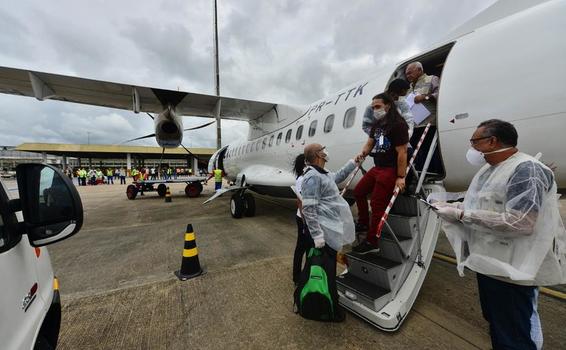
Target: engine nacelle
x: 169, y: 129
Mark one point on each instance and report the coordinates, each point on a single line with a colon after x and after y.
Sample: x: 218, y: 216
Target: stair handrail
x: 397, y: 189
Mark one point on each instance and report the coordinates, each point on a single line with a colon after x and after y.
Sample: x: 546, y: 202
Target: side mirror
x: 51, y: 206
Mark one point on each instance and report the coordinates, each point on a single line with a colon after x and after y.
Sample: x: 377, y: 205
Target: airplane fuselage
x: 484, y: 74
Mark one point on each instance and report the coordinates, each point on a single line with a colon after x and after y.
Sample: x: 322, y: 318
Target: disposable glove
x: 319, y: 243
x: 450, y: 213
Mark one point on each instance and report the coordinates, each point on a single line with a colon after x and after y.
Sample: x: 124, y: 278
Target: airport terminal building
x: 102, y: 156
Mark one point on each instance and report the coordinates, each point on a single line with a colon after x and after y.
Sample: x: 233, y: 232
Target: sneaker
x: 365, y: 248
x: 361, y: 227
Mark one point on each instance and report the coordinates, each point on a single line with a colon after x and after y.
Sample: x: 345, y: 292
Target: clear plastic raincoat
x: 511, y: 226
x: 326, y: 213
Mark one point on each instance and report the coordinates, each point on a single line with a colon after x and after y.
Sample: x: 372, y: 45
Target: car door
x: 20, y: 305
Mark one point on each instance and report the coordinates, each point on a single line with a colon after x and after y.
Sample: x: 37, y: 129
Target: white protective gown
x: 511, y: 226
x: 325, y: 211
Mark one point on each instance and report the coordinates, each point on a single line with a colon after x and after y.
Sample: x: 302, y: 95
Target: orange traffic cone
x: 168, y: 196
x: 190, y: 265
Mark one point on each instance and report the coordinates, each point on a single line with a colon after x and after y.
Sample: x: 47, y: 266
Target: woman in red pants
x: 387, y: 145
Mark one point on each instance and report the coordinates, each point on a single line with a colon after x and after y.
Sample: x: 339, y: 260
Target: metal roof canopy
x: 111, y: 151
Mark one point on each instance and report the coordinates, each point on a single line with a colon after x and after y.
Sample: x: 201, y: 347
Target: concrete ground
x: 119, y: 291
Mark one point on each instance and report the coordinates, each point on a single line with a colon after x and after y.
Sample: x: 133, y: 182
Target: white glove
x: 450, y: 213
x: 458, y: 205
x: 319, y: 242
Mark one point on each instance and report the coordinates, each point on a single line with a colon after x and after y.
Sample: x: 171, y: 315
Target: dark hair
x: 392, y: 115
x: 397, y: 86
x: 504, y: 131
x: 299, y: 165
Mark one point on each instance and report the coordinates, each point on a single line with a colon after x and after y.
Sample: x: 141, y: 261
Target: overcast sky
x: 285, y: 51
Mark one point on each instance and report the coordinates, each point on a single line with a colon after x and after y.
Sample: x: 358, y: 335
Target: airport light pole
x: 217, y: 78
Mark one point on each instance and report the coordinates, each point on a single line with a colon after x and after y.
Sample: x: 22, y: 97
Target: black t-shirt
x: 386, y: 138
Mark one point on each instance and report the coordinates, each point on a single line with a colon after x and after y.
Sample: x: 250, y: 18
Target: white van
x: 48, y: 210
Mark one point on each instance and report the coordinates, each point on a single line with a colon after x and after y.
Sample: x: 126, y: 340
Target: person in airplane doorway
x: 425, y: 87
x: 387, y: 145
x: 397, y: 88
x: 509, y: 231
x: 327, y: 215
x: 304, y: 240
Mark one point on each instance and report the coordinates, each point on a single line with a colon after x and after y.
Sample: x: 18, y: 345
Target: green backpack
x: 312, y: 296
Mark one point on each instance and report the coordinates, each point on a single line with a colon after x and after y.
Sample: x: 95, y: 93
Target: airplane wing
x: 44, y: 86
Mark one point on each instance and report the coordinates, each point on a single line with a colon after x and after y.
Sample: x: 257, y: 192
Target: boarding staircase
x: 374, y: 280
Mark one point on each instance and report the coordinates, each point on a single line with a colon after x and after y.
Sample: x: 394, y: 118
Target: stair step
x: 357, y: 289
x: 374, y: 268
x: 374, y: 259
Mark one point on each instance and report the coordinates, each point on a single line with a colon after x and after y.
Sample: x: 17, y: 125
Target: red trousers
x: 380, y: 182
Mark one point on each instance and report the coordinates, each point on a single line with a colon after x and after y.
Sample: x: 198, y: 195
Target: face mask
x: 477, y: 158
x: 379, y: 113
x: 326, y: 159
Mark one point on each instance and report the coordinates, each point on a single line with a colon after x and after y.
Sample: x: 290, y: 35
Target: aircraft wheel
x: 161, y: 190
x: 192, y: 190
x: 250, y: 204
x: 131, y: 192
x: 237, y: 206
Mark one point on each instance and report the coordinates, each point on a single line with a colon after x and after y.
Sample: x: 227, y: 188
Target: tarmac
x: 118, y: 289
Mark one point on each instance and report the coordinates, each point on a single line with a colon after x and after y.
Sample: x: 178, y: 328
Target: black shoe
x: 361, y: 227
x: 365, y: 248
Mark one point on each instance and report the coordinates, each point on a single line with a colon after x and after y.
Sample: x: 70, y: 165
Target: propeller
x: 200, y: 126
x: 140, y: 138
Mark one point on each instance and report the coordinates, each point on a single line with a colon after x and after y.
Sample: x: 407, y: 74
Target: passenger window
x: 279, y: 137
x: 299, y: 133
x: 312, y: 128
x: 257, y: 145
x: 288, y: 136
x: 349, y: 117
x: 264, y: 143
x: 271, y: 140
x: 328, y: 123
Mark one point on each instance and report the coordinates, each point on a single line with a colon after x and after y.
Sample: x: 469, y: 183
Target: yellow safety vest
x: 217, y: 175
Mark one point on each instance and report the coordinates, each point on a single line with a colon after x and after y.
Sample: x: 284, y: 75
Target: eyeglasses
x: 473, y: 141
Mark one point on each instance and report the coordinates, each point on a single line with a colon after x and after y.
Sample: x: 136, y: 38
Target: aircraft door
x: 491, y: 74
x: 217, y: 160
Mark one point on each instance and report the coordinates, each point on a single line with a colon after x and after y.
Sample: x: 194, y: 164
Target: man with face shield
x: 509, y: 231
x: 326, y: 213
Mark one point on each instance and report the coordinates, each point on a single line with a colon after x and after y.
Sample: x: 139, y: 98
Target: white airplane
x: 506, y: 63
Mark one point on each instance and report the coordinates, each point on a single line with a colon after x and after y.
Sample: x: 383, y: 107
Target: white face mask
x: 379, y: 113
x: 326, y: 155
x: 477, y: 158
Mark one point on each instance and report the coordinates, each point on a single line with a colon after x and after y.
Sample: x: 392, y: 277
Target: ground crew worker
x: 92, y: 176
x: 217, y: 179
x: 109, y: 176
x: 134, y: 174
x: 99, y: 176
x: 509, y: 231
x: 123, y: 176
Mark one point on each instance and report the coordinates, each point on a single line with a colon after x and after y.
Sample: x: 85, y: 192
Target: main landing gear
x: 241, y: 204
